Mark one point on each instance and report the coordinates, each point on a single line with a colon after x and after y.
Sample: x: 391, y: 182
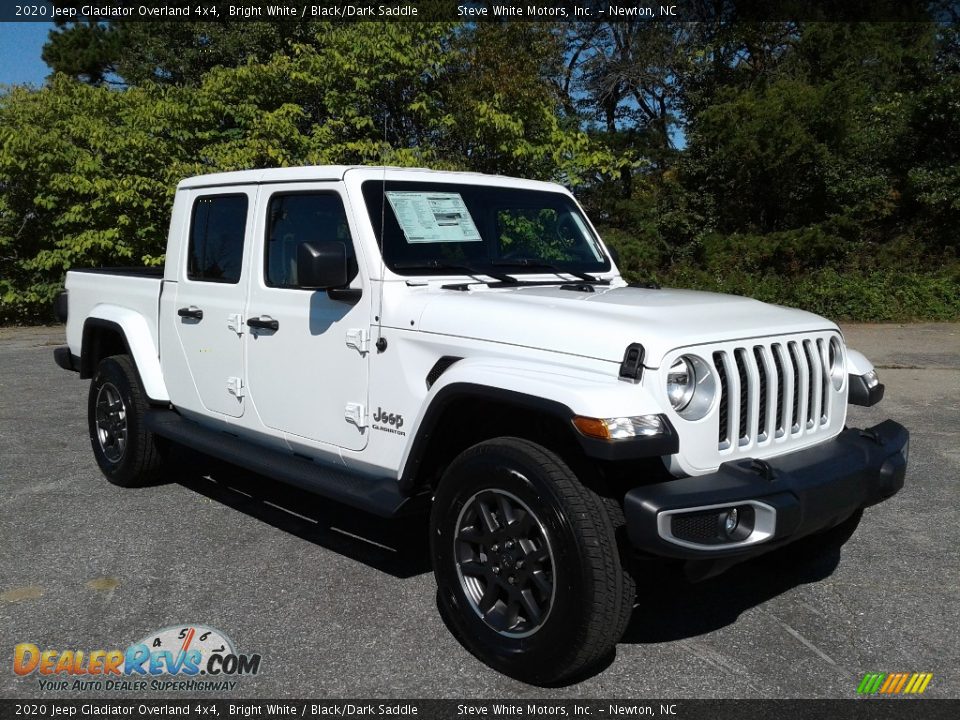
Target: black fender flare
x: 87, y: 343
x: 86, y: 365
x: 628, y: 449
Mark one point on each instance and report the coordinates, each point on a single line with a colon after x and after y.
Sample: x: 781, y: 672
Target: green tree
x: 170, y: 53
x: 87, y: 172
x: 86, y: 175
x: 86, y: 51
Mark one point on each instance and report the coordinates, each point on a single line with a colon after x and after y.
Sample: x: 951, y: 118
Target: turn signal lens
x: 592, y: 427
x: 619, y: 428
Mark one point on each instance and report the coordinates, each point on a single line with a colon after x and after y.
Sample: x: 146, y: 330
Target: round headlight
x: 691, y: 387
x: 681, y: 382
x: 838, y: 367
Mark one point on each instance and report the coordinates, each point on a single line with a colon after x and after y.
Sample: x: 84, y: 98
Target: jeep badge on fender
x: 381, y: 416
x: 556, y: 421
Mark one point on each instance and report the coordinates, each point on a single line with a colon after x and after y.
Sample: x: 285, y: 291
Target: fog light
x: 731, y: 520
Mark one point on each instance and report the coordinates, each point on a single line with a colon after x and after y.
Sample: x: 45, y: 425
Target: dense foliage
x: 811, y: 164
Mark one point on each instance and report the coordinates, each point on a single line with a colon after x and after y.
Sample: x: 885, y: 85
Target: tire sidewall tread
x: 591, y: 600
x: 141, y: 461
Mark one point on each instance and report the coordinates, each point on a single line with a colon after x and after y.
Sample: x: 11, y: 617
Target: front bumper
x: 782, y: 499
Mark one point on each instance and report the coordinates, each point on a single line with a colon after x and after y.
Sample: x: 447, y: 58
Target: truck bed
x: 150, y: 272
x: 98, y: 292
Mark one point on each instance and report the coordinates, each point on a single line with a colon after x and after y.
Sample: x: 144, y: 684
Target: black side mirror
x: 322, y: 265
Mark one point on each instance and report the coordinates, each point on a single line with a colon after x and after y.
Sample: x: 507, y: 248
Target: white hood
x: 601, y: 324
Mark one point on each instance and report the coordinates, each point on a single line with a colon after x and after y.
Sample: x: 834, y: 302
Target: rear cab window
x: 217, y: 228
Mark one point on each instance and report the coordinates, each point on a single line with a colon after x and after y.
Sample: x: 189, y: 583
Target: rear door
x: 211, y: 294
x: 307, y: 361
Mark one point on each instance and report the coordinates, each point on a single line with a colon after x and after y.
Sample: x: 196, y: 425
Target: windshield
x: 434, y: 228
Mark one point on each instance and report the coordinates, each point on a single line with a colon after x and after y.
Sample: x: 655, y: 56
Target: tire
x: 628, y: 592
x: 525, y: 556
x: 128, y: 454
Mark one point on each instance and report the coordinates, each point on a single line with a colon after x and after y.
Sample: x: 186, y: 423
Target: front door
x: 210, y: 298
x: 306, y: 357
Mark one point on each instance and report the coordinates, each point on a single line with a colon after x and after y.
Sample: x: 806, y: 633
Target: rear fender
x: 138, y: 339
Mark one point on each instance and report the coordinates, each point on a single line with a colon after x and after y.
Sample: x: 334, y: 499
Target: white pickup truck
x: 392, y: 338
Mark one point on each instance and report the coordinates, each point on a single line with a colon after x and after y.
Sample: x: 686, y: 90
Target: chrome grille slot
x: 824, y: 380
x: 723, y: 434
x: 783, y: 389
x: 742, y: 436
x: 771, y: 390
x: 800, y: 381
x: 815, y: 388
x: 758, y: 355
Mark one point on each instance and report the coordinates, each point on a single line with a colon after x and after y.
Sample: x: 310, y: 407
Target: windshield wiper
x: 530, y: 263
x: 466, y: 269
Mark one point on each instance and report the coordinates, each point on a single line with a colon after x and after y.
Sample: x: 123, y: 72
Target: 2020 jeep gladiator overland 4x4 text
x: 392, y: 337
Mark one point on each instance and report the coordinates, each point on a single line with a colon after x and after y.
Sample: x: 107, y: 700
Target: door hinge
x: 355, y: 413
x: 235, y: 386
x: 235, y: 323
x: 358, y: 339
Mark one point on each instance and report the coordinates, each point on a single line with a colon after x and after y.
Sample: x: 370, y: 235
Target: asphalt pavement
x: 341, y: 604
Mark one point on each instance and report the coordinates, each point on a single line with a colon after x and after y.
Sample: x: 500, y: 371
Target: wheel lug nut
x: 509, y: 544
x: 512, y: 580
x: 519, y: 564
x: 496, y: 569
x: 495, y: 547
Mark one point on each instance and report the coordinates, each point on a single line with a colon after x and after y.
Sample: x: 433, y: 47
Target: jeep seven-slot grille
x: 773, y: 389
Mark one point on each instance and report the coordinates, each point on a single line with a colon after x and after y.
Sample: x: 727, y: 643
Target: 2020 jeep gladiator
x: 387, y: 336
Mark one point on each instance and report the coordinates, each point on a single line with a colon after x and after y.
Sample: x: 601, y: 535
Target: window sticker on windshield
x: 438, y: 217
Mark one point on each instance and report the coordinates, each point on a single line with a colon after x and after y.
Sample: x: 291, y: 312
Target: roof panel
x: 361, y: 172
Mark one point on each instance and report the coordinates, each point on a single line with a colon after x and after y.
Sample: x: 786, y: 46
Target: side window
x: 216, y: 238
x: 297, y: 218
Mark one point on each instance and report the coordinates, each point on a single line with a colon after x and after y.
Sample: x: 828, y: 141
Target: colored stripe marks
x: 894, y: 683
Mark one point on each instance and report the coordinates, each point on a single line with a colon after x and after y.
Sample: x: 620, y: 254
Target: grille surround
x: 799, y: 407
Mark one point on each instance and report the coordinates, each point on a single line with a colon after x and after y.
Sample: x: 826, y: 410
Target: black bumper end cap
x: 862, y: 395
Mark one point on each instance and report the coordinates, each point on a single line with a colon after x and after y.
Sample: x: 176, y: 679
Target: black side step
x: 380, y: 496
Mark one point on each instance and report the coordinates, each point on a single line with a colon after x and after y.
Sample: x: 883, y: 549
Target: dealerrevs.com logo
x: 186, y: 657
